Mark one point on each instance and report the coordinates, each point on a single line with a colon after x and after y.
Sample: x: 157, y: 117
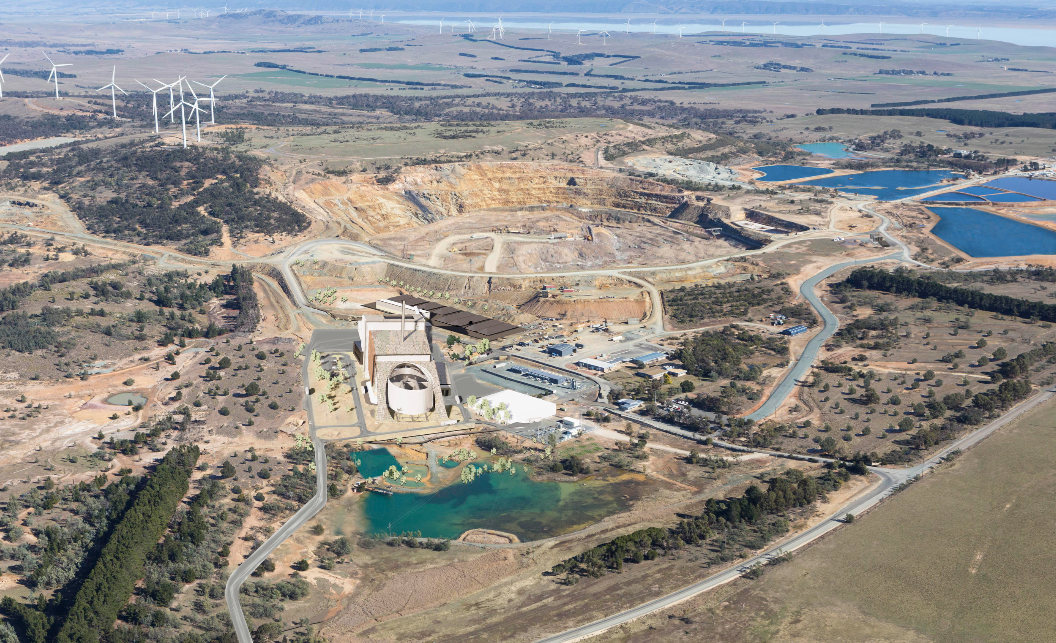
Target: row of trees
x: 756, y: 508
x: 109, y: 584
x: 972, y: 117
x: 903, y: 282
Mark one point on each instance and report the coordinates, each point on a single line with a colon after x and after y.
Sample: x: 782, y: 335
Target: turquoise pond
x: 511, y: 503
x: 828, y: 150
x: 790, y: 172
x: 981, y: 234
x: 886, y: 185
x: 374, y: 462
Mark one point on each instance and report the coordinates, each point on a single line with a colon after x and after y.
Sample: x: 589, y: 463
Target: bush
x: 301, y: 565
x: 223, y: 410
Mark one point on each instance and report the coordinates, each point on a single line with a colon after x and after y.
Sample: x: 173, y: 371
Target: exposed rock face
x: 425, y: 194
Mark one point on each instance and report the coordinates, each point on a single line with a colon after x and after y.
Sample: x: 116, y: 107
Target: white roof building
x: 516, y: 407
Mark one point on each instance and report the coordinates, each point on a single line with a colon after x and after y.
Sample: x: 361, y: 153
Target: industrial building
x: 650, y: 358
x: 402, y: 379
x: 561, y: 350
x: 792, y: 331
x: 542, y: 376
x: 516, y: 408
x: 598, y: 365
x: 444, y: 316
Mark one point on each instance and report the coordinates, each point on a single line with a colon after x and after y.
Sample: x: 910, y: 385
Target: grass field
x: 960, y: 557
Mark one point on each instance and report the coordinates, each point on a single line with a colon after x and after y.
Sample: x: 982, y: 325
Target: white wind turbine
x: 724, y: 23
x: 628, y: 30
x: 55, y: 73
x: 502, y: 30
x: 948, y: 30
x: 679, y: 31
x: 154, y: 92
x: 2, y: 75
x: 922, y: 27
x: 775, y: 26
x: 441, y: 25
x: 211, y: 99
x: 183, y: 117
x: 113, y: 90
x: 604, y: 37
x: 822, y: 26
x: 654, y: 27
x: 578, y: 34
x: 172, y: 103
x: 382, y: 18
x: 742, y: 26
x: 880, y: 28
x: 549, y: 30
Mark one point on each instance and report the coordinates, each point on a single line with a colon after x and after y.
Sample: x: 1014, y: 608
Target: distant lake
x: 887, y: 185
x: 828, y: 150
x: 790, y: 172
x: 981, y: 234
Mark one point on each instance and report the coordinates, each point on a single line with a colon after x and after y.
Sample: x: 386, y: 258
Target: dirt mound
x: 562, y: 308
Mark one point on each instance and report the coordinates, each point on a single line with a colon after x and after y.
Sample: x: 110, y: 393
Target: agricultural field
x: 974, y: 526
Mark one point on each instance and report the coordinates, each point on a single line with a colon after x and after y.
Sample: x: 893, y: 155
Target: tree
x: 227, y: 470
x: 175, y: 375
x: 929, y: 375
x: 827, y: 444
x: 252, y: 389
x: 318, y: 529
x: 224, y: 362
x: 687, y: 386
x: 849, y: 518
x: 895, y: 400
x: 301, y: 565
x: 905, y: 424
x: 919, y: 409
x: 451, y: 340
x: 1000, y: 353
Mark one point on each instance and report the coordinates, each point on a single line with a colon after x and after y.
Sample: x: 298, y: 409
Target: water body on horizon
x: 511, y: 503
x: 981, y: 234
x: 886, y: 185
x: 828, y: 150
x: 566, y: 27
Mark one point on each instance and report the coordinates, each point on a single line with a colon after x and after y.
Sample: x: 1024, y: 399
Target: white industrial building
x: 401, y: 376
x: 516, y: 407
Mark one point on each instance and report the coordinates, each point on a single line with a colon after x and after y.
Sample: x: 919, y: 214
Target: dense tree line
x: 971, y: 117
x: 692, y: 304
x: 758, y: 509
x: 954, y: 99
x: 240, y: 284
x: 12, y: 296
x: 110, y: 583
x: 903, y: 282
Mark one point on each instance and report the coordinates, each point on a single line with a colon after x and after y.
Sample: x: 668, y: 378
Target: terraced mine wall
x: 765, y: 218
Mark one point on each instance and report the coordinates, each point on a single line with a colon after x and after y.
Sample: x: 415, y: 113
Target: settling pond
x: 886, y: 185
x: 790, y: 172
x: 981, y: 234
x: 511, y: 503
x: 126, y: 399
x: 828, y: 150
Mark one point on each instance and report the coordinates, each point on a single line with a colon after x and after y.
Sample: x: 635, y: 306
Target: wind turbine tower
x: 211, y: 99
x: 922, y: 27
x: 55, y: 73
x: 742, y: 26
x: 775, y: 26
x: 113, y: 90
x: 154, y: 92
x: 654, y: 27
x: 578, y: 34
x: 604, y: 37
x: 2, y: 75
x: 628, y: 26
x: 679, y: 31
x: 441, y: 26
x: 549, y: 30
x: 948, y: 30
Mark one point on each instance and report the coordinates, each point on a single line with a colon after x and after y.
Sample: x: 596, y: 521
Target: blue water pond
x: 790, y: 172
x: 951, y: 197
x: 887, y: 185
x: 981, y: 234
x: 1041, y: 188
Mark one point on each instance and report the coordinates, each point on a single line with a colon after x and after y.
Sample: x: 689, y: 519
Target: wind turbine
x: 880, y: 28
x: 742, y: 26
x: 183, y: 117
x: 371, y: 14
x: 441, y: 25
x: 724, y: 22
x: 211, y: 99
x: 628, y: 26
x: 502, y: 30
x: 549, y: 30
x: 470, y: 23
x: 948, y: 30
x: 822, y: 26
x: 679, y: 31
x: 978, y: 33
x: 604, y: 36
x: 2, y: 75
x: 113, y: 90
x: 775, y: 26
x: 578, y: 41
x: 155, y: 99
x: 922, y: 27
x: 382, y: 18
x: 654, y: 27
x: 55, y: 73
x: 172, y: 104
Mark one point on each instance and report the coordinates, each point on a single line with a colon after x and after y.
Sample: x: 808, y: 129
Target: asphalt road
x: 322, y: 340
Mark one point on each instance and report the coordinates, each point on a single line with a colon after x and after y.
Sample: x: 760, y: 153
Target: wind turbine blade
x: 4, y: 58
x: 121, y: 90
x: 64, y: 65
x: 48, y: 57
x: 104, y: 87
x: 144, y: 86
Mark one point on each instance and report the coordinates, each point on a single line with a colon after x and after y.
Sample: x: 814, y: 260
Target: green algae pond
x: 127, y: 399
x: 512, y: 503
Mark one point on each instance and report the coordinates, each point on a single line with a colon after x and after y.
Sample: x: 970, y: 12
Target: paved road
x: 322, y: 340
x: 810, y: 351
